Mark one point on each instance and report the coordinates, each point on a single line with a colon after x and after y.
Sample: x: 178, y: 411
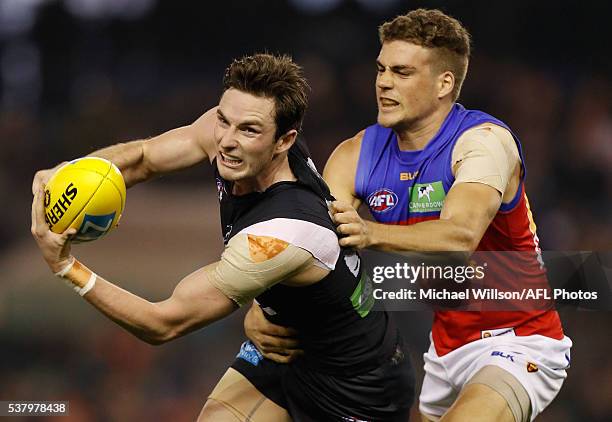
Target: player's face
x: 406, y: 89
x: 244, y: 133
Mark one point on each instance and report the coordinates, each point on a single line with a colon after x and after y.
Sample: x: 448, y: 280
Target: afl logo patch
x: 382, y: 200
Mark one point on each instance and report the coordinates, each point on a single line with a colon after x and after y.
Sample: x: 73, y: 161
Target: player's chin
x: 230, y: 174
x: 387, y: 118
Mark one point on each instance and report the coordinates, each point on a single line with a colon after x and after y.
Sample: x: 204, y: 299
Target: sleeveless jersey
x: 335, y: 327
x: 407, y: 187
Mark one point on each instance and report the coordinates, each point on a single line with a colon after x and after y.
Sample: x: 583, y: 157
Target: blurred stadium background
x: 77, y: 75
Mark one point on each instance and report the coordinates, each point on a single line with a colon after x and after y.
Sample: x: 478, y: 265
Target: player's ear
x: 284, y: 142
x: 446, y: 83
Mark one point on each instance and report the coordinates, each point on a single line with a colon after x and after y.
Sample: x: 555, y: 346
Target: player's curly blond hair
x: 431, y: 28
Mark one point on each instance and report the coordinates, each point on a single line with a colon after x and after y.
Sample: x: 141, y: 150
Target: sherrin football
x: 87, y: 194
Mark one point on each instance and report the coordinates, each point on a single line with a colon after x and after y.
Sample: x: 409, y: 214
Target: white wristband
x: 79, y: 273
x: 87, y: 287
x: 68, y: 267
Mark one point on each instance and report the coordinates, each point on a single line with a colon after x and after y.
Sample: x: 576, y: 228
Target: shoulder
x: 349, y: 148
x: 341, y: 167
x: 319, y: 240
x: 490, y: 136
x: 346, y: 155
x: 293, y: 200
x: 291, y: 190
x: 488, y: 129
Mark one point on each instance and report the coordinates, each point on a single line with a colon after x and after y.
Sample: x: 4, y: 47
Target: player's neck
x: 415, y: 136
x: 278, y: 170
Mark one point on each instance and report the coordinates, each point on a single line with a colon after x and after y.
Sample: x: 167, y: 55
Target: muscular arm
x: 468, y: 210
x: 194, y: 304
x: 202, y: 297
x: 173, y: 150
x: 340, y: 170
x: 249, y: 265
x: 470, y: 206
x: 144, y: 159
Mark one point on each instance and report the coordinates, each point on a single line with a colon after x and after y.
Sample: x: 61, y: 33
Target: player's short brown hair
x: 431, y: 28
x: 276, y: 77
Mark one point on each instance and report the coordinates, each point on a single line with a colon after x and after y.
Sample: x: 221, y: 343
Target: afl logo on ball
x: 382, y: 200
x: 47, y: 198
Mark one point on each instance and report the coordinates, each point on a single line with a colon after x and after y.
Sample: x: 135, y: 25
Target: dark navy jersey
x: 336, y: 327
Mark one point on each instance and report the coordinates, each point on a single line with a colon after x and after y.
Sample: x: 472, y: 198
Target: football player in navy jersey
x: 281, y: 248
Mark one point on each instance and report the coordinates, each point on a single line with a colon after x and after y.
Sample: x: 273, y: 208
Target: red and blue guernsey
x: 408, y: 187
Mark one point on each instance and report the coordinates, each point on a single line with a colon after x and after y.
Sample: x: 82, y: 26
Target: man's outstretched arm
x: 194, y: 303
x: 250, y: 264
x: 144, y: 159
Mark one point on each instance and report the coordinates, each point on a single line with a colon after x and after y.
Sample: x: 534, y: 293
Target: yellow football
x: 87, y: 194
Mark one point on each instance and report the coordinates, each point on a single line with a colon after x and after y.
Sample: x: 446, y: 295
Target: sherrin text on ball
x: 87, y: 194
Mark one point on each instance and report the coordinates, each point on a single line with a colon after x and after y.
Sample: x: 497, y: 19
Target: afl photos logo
x: 382, y: 200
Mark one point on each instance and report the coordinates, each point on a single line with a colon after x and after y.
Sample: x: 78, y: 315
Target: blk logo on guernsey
x: 503, y: 355
x: 406, y: 175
